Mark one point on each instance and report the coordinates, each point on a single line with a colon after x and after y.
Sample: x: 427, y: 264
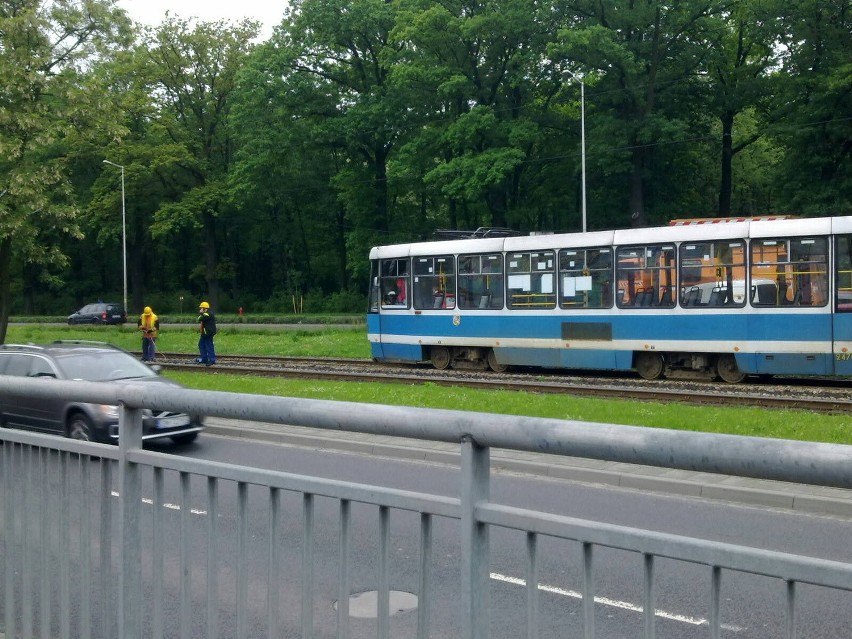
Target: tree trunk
x: 210, y: 260
x: 343, y: 270
x: 136, y: 276
x: 637, y: 202
x: 381, y: 187
x: 726, y: 184
x: 29, y: 286
x: 495, y: 198
x: 5, y: 282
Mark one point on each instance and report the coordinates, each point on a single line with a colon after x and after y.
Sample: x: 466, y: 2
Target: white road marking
x: 613, y: 603
x: 517, y: 581
x: 150, y: 502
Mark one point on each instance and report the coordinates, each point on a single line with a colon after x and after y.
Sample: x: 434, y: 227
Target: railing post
x: 130, y: 577
x: 476, y: 468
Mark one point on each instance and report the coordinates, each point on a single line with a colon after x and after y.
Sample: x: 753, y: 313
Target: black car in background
x: 99, y: 313
x: 93, y: 362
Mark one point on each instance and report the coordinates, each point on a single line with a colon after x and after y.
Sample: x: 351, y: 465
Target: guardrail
x: 57, y: 539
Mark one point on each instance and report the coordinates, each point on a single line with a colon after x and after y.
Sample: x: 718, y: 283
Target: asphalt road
x: 752, y: 607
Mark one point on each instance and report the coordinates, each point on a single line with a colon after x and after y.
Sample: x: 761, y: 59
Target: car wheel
x: 80, y: 427
x: 186, y: 438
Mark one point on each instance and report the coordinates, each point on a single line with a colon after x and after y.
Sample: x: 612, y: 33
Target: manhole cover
x: 366, y: 604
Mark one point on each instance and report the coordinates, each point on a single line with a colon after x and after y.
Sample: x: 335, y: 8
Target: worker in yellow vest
x: 207, y: 329
x: 149, y: 324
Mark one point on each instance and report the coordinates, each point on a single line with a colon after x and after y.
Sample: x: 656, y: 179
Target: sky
x: 153, y: 12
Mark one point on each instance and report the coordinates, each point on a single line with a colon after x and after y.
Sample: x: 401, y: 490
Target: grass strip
x: 757, y: 422
x: 230, y: 340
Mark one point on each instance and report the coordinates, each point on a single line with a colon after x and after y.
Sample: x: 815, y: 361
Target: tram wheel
x: 727, y: 369
x: 494, y: 365
x: 440, y: 356
x: 650, y: 365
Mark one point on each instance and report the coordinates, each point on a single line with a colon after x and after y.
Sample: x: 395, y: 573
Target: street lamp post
x: 582, y: 142
x: 123, y: 232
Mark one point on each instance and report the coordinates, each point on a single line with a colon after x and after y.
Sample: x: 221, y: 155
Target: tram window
x: 480, y: 281
x: 394, y: 283
x: 531, y: 280
x: 585, y: 278
x: 843, y: 274
x: 646, y: 276
x: 796, y: 268
x: 712, y: 274
x: 375, y: 288
x: 434, y: 282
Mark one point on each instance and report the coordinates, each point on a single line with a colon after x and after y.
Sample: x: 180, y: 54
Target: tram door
x: 374, y: 318
x: 390, y: 301
x: 843, y: 305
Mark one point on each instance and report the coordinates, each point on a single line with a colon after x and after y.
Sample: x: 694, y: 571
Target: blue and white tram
x: 727, y: 298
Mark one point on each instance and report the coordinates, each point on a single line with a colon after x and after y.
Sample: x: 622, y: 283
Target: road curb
x: 815, y: 500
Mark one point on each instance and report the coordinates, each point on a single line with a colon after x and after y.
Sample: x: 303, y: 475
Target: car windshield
x: 102, y: 366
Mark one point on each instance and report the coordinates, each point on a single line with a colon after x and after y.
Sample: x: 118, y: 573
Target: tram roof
x: 485, y: 245
x: 841, y: 224
x: 803, y: 226
x: 624, y: 237
x: 689, y: 233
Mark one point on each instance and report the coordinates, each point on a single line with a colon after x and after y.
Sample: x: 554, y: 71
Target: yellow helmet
x: 147, y: 311
x: 204, y: 305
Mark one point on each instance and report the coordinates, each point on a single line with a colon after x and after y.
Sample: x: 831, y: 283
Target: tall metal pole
x: 123, y: 232
x: 583, y: 146
x: 582, y: 82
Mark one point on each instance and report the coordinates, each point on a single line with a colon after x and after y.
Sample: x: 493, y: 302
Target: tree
x: 340, y: 49
x: 295, y: 239
x: 812, y: 107
x: 483, y: 83
x: 46, y: 104
x: 641, y: 51
x: 742, y: 52
x: 193, y: 70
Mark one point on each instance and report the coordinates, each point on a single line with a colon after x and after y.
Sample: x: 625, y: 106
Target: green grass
x: 191, y: 316
x: 230, y: 340
x: 796, y: 425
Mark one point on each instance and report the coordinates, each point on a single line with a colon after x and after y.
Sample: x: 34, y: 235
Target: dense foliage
x: 258, y: 174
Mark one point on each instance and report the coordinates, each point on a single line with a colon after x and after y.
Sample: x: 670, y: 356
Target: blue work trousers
x: 206, y: 350
x: 149, y: 349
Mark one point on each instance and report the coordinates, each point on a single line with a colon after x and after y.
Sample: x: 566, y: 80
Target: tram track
x: 823, y: 396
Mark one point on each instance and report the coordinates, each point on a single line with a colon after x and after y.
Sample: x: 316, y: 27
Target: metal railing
x: 72, y: 566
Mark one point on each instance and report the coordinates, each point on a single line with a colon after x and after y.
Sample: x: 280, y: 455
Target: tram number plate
x: 843, y: 357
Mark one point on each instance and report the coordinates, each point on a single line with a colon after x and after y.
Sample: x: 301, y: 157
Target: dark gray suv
x: 88, y: 361
x: 99, y: 313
